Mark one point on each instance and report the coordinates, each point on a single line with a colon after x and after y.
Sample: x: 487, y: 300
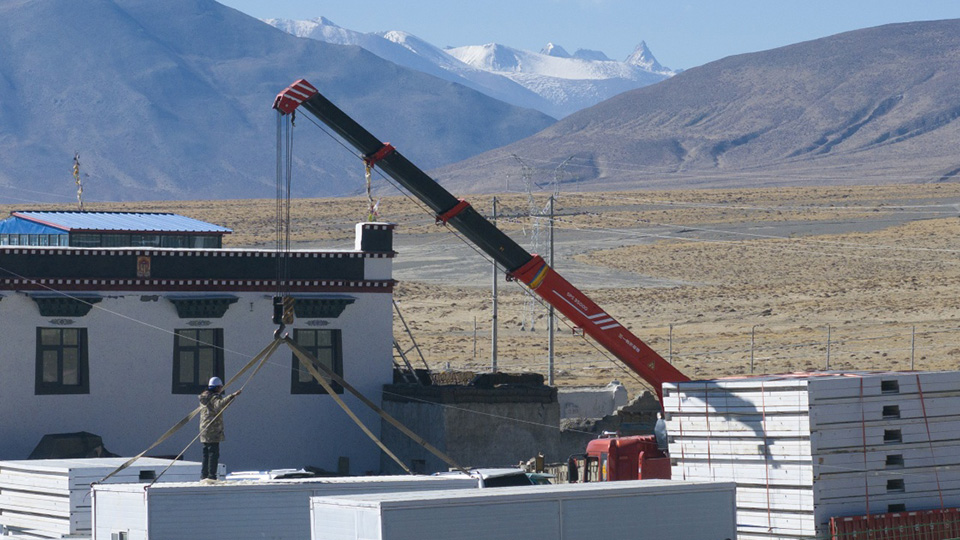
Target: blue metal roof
x: 13, y: 225
x: 113, y: 221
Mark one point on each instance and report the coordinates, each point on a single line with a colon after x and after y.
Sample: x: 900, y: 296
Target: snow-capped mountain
x: 570, y: 83
x: 587, y: 54
x: 643, y: 59
x: 555, y: 50
x: 552, y: 81
x: 409, y: 51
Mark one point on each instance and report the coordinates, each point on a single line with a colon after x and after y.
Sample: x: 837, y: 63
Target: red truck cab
x: 629, y: 458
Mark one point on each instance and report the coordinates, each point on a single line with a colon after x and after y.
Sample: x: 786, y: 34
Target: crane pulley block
x: 287, y: 101
x: 283, y: 309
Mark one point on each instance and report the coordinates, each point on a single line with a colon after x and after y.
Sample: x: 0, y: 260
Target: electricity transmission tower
x: 537, y: 215
x: 558, y: 175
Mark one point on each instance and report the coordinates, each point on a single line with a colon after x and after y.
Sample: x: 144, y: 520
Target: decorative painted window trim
x: 64, y: 305
x: 202, y: 307
x: 177, y: 252
x: 327, y: 306
x: 184, y: 285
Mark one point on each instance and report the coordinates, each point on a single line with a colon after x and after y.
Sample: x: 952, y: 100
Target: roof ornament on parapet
x: 76, y: 178
x: 373, y: 208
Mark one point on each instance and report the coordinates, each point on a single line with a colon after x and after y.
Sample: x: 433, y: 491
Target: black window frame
x: 83, y: 362
x: 298, y: 386
x: 144, y: 240
x: 115, y: 240
x: 196, y: 343
x: 207, y: 241
x: 85, y: 240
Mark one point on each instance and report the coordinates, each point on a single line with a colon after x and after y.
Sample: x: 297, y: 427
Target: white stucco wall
x: 378, y: 268
x: 130, y: 403
x: 591, y: 401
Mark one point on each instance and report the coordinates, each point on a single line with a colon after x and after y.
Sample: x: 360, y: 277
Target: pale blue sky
x: 681, y: 33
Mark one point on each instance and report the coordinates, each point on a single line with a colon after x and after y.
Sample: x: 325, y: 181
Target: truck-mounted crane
x: 614, y: 454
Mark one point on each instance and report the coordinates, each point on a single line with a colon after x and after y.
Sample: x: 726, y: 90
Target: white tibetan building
x: 113, y: 322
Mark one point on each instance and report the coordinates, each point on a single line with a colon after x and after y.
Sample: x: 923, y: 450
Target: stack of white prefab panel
x: 659, y: 509
x: 803, y: 448
x: 50, y: 498
x: 275, y: 509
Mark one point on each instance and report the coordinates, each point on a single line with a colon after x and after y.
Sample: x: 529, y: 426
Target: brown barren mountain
x: 871, y: 106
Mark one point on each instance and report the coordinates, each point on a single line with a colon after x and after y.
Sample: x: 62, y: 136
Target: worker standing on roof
x: 213, y: 402
x: 660, y: 431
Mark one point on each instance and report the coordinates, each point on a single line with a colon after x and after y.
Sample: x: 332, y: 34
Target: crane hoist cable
x: 282, y: 301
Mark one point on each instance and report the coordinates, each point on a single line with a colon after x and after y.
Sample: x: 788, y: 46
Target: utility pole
x: 913, y: 346
x: 670, y: 345
x: 493, y: 332
x: 828, y: 347
x: 550, y: 321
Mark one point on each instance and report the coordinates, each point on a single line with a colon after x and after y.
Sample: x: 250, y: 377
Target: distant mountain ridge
x: 405, y: 50
x: 879, y: 105
x: 551, y: 81
x: 171, y: 100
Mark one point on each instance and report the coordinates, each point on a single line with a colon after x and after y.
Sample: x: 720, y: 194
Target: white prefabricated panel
x: 898, y: 456
x: 51, y: 497
x: 630, y: 509
x: 697, y: 447
x: 788, y: 499
x: 805, y: 447
x: 777, y: 524
x: 771, y: 474
x: 274, y: 509
x: 847, y: 386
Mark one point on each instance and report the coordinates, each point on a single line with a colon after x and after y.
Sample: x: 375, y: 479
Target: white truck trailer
x: 629, y: 509
x: 275, y: 509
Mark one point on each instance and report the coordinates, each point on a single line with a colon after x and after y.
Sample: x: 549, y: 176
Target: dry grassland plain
x: 786, y: 279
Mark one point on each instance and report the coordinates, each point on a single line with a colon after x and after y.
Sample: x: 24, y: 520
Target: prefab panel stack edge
x: 275, y: 509
x: 50, y: 498
x: 803, y: 448
x: 629, y: 509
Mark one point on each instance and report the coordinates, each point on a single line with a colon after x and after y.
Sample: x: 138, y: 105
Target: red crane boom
x: 529, y: 269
